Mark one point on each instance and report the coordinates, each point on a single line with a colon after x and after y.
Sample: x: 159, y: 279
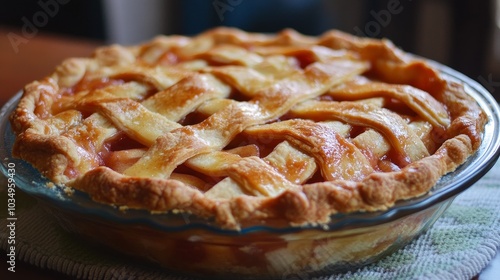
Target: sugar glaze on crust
x: 245, y: 128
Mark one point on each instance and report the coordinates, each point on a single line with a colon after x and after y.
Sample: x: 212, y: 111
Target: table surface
x: 23, y: 60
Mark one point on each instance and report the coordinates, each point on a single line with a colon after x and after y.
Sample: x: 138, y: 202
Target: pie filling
x: 245, y: 127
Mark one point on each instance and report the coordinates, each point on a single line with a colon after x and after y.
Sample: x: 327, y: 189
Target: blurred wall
x: 130, y: 22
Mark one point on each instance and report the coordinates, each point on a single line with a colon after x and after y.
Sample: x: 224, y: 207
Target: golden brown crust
x: 66, y: 125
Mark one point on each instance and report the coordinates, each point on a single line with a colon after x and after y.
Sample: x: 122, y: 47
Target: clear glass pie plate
x: 190, y: 245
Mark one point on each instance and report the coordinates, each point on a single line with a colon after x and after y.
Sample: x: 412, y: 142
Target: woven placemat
x: 459, y: 245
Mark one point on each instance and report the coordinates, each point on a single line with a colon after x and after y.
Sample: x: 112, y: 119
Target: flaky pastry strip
x: 285, y: 160
x: 84, y: 153
x: 131, y: 117
x: 392, y: 126
x: 230, y: 54
x: 420, y: 101
x: 177, y: 101
x: 336, y: 157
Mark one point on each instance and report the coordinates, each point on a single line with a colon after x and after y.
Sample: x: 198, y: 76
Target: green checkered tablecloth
x: 459, y: 245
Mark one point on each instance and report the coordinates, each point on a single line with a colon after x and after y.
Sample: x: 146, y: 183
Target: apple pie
x: 246, y: 128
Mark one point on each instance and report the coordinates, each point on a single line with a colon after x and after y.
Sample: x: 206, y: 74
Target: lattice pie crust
x: 245, y: 128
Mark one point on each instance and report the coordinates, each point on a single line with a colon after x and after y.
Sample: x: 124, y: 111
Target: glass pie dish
x: 190, y: 245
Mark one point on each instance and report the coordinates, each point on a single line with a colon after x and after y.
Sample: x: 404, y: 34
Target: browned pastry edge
x: 314, y: 203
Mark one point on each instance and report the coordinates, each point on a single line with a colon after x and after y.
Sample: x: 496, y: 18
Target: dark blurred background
x: 463, y: 34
